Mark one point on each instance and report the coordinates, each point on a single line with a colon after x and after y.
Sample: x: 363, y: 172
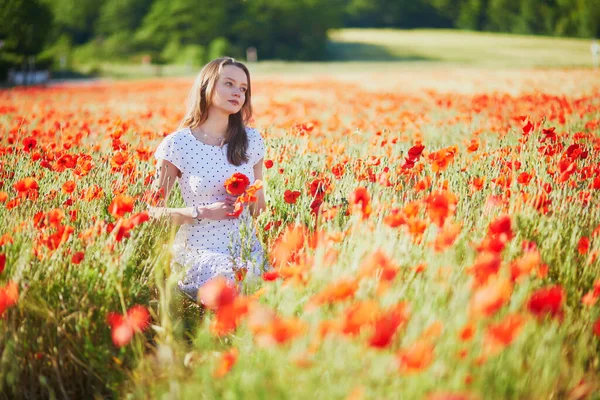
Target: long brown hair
x: 200, y: 99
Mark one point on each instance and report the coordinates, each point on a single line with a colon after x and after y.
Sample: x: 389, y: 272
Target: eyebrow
x: 231, y: 79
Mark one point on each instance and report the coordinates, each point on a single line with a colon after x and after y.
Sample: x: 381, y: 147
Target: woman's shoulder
x: 253, y: 135
x: 180, y: 133
x: 176, y: 137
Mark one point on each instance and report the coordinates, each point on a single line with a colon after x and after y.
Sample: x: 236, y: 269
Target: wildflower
x: 547, y: 301
x: 9, y: 295
x: 387, y: 325
x: 360, y: 200
x: 237, y: 184
x: 217, y: 293
x: 123, y: 327
x: 416, y: 357
x: 290, y: 196
x: 121, y: 205
x: 226, y: 362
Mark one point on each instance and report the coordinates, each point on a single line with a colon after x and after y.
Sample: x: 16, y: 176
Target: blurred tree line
x: 59, y: 32
x: 574, y: 18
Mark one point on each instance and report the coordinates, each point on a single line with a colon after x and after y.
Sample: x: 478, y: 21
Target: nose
x: 237, y: 93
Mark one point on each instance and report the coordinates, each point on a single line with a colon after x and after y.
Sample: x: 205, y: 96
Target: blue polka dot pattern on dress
x: 210, y: 248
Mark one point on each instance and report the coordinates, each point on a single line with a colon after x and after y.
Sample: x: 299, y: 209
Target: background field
x: 375, y: 50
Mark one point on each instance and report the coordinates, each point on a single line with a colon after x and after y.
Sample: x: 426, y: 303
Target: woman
x: 210, y: 145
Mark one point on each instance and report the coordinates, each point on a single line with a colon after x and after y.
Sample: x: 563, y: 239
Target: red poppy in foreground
x: 9, y: 295
x: 121, y: 205
x: 124, y: 326
x: 290, y: 196
x: 226, y: 362
x: 237, y: 184
x: 547, y: 301
x: 26, y: 184
x: 217, y: 293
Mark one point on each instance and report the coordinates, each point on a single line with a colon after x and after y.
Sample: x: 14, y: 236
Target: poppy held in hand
x: 237, y: 184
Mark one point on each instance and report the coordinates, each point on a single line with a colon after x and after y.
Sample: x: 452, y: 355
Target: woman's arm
x: 261, y: 204
x: 167, y: 175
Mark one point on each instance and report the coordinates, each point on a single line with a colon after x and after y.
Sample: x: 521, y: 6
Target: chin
x: 234, y: 110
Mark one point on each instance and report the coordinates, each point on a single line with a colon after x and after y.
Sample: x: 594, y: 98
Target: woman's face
x: 230, y: 90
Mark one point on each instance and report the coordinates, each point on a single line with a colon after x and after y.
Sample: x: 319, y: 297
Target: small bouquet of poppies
x: 238, y: 185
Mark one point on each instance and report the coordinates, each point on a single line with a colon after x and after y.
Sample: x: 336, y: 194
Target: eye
x: 228, y: 83
x: 244, y: 90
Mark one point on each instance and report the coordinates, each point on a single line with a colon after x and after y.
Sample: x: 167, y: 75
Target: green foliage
x: 75, y: 18
x: 172, y: 50
x: 24, y: 27
x: 120, y: 16
x: 23, y: 32
x: 219, y: 47
x: 194, y: 55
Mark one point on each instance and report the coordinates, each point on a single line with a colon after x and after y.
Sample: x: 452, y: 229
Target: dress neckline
x: 189, y: 130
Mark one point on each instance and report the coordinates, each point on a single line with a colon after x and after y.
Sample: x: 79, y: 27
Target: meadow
x: 388, y: 50
x: 433, y: 232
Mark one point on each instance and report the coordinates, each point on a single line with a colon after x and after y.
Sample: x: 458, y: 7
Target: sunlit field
x: 434, y: 234
x: 484, y: 49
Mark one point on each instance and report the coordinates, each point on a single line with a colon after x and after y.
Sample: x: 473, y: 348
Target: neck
x: 216, y: 124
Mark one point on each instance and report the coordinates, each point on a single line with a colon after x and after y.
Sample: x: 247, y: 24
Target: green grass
x: 452, y: 46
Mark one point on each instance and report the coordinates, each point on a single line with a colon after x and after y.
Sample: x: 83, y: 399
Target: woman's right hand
x: 219, y: 210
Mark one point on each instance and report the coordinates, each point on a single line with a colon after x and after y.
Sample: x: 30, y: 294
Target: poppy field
x: 433, y: 234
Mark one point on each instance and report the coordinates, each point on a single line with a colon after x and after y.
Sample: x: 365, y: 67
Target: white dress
x: 210, y: 248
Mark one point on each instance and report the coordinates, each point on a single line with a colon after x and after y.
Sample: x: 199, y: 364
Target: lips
x: 234, y: 102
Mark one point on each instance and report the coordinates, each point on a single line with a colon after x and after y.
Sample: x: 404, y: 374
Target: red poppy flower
x: 290, y: 196
x: 319, y: 187
x: 237, y: 184
x: 597, y: 327
x: 78, y: 257
x: 217, y: 293
x: 25, y: 185
x: 270, y: 276
x: 9, y: 295
x: 123, y: 327
x: 416, y: 357
x: 237, y: 210
x: 68, y: 187
x: 361, y: 200
x: 121, y: 205
x: 29, y: 143
x: 547, y: 301
x: 584, y: 245
x: 227, y: 361
x: 387, y: 325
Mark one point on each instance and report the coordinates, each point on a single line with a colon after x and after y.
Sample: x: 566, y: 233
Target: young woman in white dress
x: 211, y: 144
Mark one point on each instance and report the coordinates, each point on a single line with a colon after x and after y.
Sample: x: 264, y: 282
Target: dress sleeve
x: 257, y: 147
x: 170, y: 149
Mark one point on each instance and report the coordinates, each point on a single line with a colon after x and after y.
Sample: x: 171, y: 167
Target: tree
x: 192, y: 21
x: 25, y: 24
x: 288, y: 29
x: 122, y: 16
x: 393, y: 13
x: 75, y: 18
